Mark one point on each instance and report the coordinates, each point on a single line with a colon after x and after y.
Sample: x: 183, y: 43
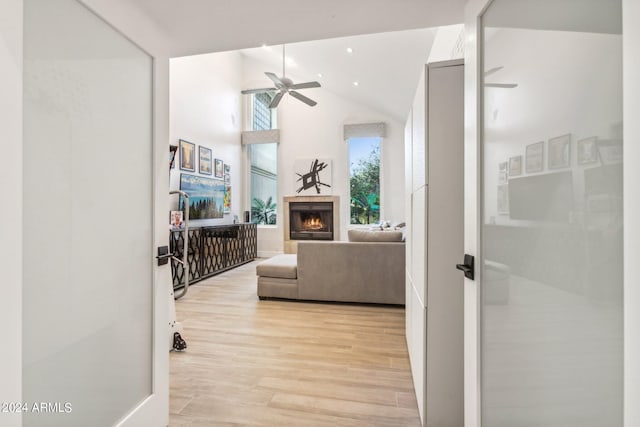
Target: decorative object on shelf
x: 204, y: 164
x: 559, y: 152
x: 515, y: 166
x: 227, y: 199
x: 187, y: 156
x: 219, y: 168
x: 206, y: 196
x: 534, y: 157
x: 313, y: 176
x: 587, y: 150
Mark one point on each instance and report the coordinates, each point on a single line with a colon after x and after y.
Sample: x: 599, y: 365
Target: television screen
x: 545, y: 197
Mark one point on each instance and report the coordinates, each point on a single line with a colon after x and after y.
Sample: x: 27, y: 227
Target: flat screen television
x: 544, y: 197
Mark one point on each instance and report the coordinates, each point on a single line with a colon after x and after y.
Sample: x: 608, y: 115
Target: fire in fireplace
x: 311, y: 220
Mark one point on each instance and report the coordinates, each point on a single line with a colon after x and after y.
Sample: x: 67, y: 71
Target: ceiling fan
x: 499, y: 85
x: 284, y: 85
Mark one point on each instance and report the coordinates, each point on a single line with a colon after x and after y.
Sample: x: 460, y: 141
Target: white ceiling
x: 204, y: 26
x: 386, y: 67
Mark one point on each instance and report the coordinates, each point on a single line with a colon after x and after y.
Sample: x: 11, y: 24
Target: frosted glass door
x: 551, y: 282
x: 88, y: 206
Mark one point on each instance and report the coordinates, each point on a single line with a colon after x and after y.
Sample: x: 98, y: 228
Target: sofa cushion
x: 283, y: 266
x: 374, y: 236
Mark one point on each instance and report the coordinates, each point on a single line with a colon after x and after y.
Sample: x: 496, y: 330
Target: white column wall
x: 11, y: 211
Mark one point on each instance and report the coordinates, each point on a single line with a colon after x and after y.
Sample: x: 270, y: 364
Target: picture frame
x: 204, y: 163
x: 588, y: 150
x: 515, y: 166
x: 219, y: 170
x: 534, y: 157
x: 559, y: 155
x: 206, y: 196
x: 609, y: 151
x: 187, y: 156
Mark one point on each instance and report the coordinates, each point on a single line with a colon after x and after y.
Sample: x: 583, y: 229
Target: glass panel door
x: 88, y: 206
x: 551, y: 291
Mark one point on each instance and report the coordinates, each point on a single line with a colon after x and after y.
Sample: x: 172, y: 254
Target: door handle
x: 163, y: 255
x: 467, y: 267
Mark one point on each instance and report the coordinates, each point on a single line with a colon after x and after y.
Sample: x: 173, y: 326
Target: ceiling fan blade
x: 302, y: 98
x: 306, y: 85
x: 502, y: 85
x: 492, y: 70
x: 276, y: 99
x: 263, y: 90
x: 275, y: 79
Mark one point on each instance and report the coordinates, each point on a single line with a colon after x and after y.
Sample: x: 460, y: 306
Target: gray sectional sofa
x: 370, y: 268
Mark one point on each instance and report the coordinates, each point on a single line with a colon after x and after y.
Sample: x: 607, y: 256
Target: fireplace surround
x: 310, y: 218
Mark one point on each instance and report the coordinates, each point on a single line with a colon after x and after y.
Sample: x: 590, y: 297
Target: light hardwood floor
x: 273, y: 363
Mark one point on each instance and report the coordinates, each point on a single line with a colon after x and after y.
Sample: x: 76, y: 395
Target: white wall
x: 11, y: 213
x: 631, y: 82
x: 206, y: 110
x: 316, y: 132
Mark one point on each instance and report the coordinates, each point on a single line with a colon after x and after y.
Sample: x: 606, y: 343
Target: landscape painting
x: 206, y: 196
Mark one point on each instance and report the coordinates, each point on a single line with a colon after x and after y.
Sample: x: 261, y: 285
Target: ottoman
x: 278, y: 277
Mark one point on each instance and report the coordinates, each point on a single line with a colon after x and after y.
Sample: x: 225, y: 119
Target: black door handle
x: 163, y: 255
x: 467, y: 267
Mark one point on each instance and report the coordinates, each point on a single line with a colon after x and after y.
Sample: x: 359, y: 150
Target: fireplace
x: 311, y: 220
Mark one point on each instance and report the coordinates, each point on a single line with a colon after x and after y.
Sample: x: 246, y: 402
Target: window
x: 263, y: 159
x: 262, y: 116
x: 364, y: 177
x: 263, y: 163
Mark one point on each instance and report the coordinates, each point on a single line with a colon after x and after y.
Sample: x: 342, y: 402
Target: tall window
x: 262, y: 114
x: 364, y: 169
x: 263, y: 161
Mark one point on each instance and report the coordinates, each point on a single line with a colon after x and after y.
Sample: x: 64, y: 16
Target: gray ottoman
x: 278, y: 277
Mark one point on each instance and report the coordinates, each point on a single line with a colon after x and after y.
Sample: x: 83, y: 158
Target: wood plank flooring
x: 273, y: 363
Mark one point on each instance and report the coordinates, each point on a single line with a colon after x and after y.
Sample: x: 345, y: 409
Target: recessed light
x: 356, y: 83
x: 349, y: 50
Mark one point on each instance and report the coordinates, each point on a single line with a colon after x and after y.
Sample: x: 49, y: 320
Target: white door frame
x: 473, y: 158
x: 137, y: 27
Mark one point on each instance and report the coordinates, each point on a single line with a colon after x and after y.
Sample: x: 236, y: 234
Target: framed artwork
x: 534, y: 157
x: 219, y: 168
x: 187, y: 156
x: 227, y: 199
x: 227, y: 168
x: 515, y: 165
x: 204, y: 164
x: 559, y: 152
x: 206, y: 196
x: 587, y: 151
x: 610, y: 150
x: 312, y: 176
